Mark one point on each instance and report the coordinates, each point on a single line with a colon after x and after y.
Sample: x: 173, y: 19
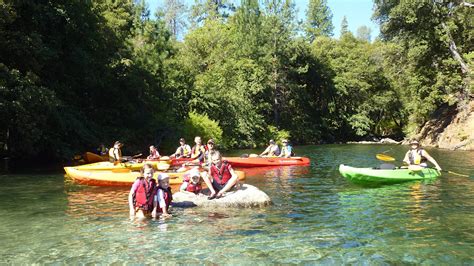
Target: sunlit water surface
x: 316, y: 217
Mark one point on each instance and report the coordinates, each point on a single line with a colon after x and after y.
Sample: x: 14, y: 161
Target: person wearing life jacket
x: 164, y: 196
x: 272, y: 150
x: 115, y: 153
x: 418, y: 156
x: 198, y: 151
x: 222, y: 177
x: 102, y: 150
x: 154, y: 154
x: 183, y: 151
x: 192, y: 182
x: 286, y: 149
x: 142, y: 193
x: 211, y: 147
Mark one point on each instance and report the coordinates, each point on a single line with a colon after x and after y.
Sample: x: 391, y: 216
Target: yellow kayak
x: 125, y: 167
x: 111, y: 178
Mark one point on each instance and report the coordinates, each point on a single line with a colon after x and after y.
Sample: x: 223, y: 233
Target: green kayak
x: 386, y: 176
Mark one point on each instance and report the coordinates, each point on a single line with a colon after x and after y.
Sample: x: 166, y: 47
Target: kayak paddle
x: 386, y: 158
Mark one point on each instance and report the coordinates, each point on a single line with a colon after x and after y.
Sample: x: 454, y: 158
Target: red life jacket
x: 168, y: 195
x: 195, y: 188
x: 222, y: 175
x: 143, y: 197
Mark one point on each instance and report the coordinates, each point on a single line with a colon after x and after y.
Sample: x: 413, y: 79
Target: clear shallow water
x: 316, y: 217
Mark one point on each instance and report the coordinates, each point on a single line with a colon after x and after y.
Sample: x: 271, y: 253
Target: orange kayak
x: 112, y: 178
x: 90, y: 157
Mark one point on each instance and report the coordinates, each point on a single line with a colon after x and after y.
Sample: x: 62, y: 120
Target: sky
x: 358, y: 13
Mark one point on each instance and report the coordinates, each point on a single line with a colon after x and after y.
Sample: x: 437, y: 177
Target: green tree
x: 318, y: 20
x: 364, y: 33
x: 344, y: 26
x: 435, y: 39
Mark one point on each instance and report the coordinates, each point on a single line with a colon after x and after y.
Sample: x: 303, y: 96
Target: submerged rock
x: 246, y: 196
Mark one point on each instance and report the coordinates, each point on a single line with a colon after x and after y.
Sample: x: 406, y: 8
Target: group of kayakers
x: 273, y: 150
x: 149, y: 197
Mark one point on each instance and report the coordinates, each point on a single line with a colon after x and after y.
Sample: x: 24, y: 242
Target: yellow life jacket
x: 415, y: 157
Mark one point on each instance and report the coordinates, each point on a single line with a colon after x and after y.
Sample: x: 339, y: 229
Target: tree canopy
x: 75, y: 74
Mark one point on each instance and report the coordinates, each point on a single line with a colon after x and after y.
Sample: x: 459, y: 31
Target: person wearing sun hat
x: 418, y: 156
x: 163, y: 196
x: 272, y: 150
x: 191, y: 181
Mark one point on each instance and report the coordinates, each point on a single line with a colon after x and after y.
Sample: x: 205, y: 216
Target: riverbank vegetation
x: 74, y: 74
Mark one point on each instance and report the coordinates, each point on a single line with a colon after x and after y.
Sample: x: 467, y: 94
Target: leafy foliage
x: 74, y: 74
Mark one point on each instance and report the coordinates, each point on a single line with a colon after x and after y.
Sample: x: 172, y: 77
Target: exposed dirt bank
x: 450, y: 129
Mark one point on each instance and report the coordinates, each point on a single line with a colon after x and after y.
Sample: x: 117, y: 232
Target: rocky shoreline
x: 377, y: 141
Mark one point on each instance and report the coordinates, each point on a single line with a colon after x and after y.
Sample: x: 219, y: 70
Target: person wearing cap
x: 286, y: 149
x: 183, y: 151
x: 154, y: 154
x: 115, y: 153
x: 191, y: 182
x: 211, y: 148
x: 272, y: 150
x: 141, y: 196
x: 418, y: 156
x: 163, y: 197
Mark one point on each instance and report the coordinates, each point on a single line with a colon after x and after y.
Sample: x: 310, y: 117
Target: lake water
x: 317, y: 217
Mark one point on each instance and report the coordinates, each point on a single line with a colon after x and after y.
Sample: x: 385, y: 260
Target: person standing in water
x: 142, y: 194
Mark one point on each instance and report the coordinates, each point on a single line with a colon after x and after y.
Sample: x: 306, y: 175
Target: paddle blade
x: 121, y: 170
x: 384, y: 157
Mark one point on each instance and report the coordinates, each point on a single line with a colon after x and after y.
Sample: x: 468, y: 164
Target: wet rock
x: 246, y: 196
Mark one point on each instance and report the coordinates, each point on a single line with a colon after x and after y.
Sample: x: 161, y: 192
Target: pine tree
x: 318, y: 20
x: 344, y: 26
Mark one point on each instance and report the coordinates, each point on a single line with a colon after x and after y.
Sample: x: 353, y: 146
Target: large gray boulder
x: 246, y: 196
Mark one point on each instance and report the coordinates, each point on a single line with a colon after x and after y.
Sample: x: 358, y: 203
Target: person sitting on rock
x: 164, y: 196
x: 418, y: 156
x: 272, y: 150
x: 192, y: 182
x: 222, y: 177
x: 154, y: 154
x: 140, y: 198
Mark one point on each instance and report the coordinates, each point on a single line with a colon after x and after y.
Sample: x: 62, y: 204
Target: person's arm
x: 431, y: 159
x: 232, y: 181
x: 162, y: 203
x: 130, y: 197
x: 407, y: 159
x: 184, y: 186
x: 266, y: 151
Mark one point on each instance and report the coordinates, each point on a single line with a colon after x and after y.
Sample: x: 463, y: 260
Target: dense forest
x: 74, y: 74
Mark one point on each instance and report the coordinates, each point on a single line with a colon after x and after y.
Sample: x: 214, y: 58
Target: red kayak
x: 266, y: 161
